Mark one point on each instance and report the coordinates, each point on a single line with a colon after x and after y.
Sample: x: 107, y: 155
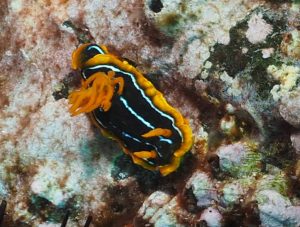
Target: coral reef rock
x: 231, y: 67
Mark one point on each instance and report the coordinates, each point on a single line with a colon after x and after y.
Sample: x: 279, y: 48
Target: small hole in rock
x: 155, y: 6
x: 117, y: 208
x: 202, y: 223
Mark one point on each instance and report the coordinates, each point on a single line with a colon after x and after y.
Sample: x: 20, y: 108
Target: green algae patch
x: 170, y: 23
x: 251, y: 165
x: 239, y: 160
x: 276, y: 182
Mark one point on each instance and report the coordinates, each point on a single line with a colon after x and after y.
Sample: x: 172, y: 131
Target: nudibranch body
x: 128, y: 108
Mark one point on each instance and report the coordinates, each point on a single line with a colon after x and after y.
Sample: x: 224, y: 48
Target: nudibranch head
x: 85, y: 52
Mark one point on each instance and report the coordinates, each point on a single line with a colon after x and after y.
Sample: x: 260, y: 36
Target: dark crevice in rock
x: 156, y: 6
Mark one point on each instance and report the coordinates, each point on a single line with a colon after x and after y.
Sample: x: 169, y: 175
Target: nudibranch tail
x: 167, y: 169
x: 96, y: 92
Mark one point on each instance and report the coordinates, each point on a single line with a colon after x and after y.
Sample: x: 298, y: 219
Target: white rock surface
x: 276, y: 210
x: 212, y: 217
x: 203, y: 188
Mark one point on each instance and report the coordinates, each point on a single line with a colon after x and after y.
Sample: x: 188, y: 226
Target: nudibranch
x: 128, y: 108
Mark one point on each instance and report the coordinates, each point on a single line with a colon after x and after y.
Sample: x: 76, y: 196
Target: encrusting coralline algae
x: 230, y: 67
